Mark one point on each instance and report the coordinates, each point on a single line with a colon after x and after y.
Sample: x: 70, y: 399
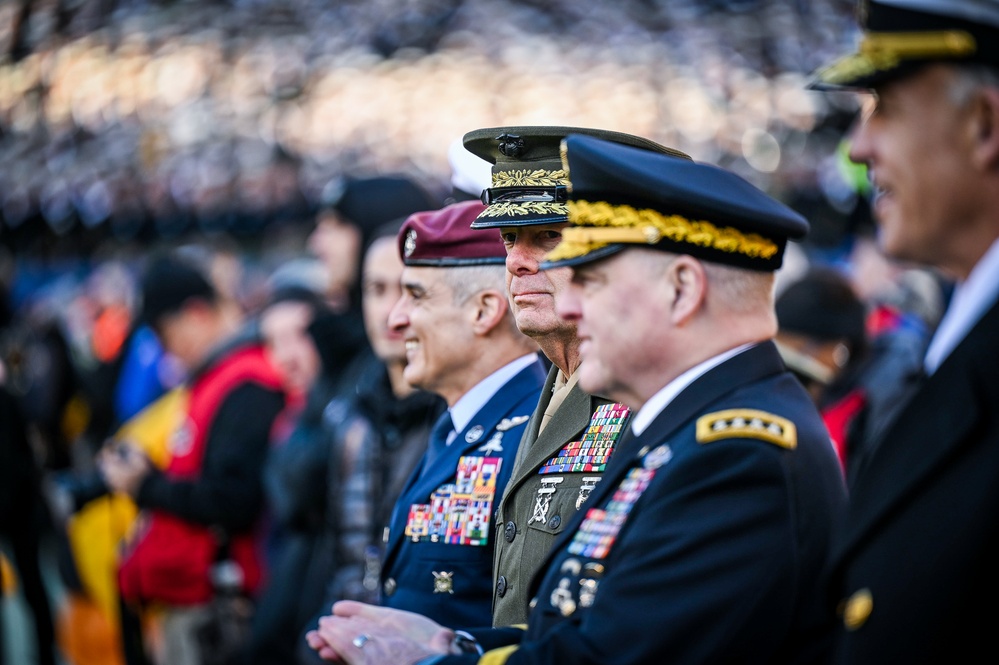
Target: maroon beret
x: 445, y: 238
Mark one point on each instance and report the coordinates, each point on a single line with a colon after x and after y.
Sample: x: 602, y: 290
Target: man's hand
x: 124, y: 467
x: 393, y: 637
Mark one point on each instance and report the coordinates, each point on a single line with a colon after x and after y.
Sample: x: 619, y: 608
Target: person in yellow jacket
x: 96, y: 533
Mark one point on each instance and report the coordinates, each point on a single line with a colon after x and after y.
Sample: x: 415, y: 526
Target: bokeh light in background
x: 160, y: 118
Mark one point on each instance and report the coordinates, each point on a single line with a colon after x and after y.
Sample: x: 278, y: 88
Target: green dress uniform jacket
x: 525, y: 532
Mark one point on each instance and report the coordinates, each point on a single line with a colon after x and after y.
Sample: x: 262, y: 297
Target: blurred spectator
x: 23, y: 517
x: 823, y: 339
x: 377, y: 426
x: 92, y: 626
x: 202, y: 509
x: 352, y: 210
x: 295, y: 472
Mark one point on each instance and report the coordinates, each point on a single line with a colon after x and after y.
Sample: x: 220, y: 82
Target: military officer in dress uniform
x: 914, y: 570
x: 463, y: 344
x: 572, y: 434
x: 706, y: 538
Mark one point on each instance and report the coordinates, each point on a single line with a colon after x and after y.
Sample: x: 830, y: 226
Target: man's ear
x: 985, y: 128
x: 490, y: 307
x: 686, y: 276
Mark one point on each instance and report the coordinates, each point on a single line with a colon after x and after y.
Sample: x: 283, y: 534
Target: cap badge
x: 510, y: 145
x: 410, y: 244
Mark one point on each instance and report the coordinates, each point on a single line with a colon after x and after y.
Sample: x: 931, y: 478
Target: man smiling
x: 463, y: 344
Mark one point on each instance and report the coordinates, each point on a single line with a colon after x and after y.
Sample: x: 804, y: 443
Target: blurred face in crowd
x: 437, y: 331
x: 619, y: 306
x: 532, y: 292
x: 917, y: 142
x: 337, y: 243
x: 284, y: 328
x: 381, y: 282
x: 189, y: 333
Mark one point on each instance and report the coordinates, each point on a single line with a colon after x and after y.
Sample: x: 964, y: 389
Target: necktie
x: 438, y: 440
x: 561, y: 387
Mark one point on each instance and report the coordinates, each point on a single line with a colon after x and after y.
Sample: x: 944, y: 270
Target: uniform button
x: 510, y: 531
x: 390, y: 586
x: 554, y: 522
x: 501, y: 586
x: 858, y: 607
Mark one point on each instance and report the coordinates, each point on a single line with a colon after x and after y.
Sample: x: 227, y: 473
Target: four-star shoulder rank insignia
x: 749, y: 424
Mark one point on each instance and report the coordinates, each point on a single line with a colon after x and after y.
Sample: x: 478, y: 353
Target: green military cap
x: 528, y: 180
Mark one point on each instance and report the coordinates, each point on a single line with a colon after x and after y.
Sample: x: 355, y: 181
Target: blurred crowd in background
x: 231, y: 127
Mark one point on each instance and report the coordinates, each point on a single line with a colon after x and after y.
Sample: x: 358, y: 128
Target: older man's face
x: 532, y: 292
x: 916, y: 143
x: 437, y: 331
x: 619, y: 313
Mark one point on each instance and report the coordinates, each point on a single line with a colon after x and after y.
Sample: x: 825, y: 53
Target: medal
x: 443, y: 582
x: 544, y: 498
x: 584, y: 491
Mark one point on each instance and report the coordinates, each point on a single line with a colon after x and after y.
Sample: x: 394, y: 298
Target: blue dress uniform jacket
x: 440, y: 547
x: 705, y: 540
x: 915, y: 572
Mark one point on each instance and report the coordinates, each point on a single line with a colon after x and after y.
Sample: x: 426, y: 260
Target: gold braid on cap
x: 881, y: 51
x: 596, y: 225
x: 526, y: 178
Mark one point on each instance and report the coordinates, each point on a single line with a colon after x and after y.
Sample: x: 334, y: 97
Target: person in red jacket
x: 202, y: 509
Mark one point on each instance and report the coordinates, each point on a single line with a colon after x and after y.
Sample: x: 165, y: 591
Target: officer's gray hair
x: 466, y: 282
x: 970, y: 78
x: 743, y: 291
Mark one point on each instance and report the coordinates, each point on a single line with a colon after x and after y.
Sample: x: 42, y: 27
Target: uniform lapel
x: 752, y: 365
x: 933, y: 425
x: 488, y: 417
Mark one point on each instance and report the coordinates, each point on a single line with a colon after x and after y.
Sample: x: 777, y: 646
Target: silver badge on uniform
x: 589, y: 482
x: 474, y: 434
x: 544, y: 499
x: 443, y: 582
x: 409, y: 245
x: 658, y: 457
x: 508, y: 423
x: 493, y: 445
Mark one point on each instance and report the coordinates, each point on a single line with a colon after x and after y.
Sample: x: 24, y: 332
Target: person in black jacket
x: 205, y: 506
x: 377, y: 427
x: 914, y: 565
x: 22, y: 515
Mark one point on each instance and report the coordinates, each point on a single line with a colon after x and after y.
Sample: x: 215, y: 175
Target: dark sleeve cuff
x: 494, y: 638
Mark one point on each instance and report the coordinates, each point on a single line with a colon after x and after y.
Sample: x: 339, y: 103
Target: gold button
x: 858, y: 608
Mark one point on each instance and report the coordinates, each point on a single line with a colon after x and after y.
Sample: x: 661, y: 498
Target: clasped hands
x: 391, y: 637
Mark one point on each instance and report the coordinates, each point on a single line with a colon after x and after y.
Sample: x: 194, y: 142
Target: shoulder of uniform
x: 747, y: 424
